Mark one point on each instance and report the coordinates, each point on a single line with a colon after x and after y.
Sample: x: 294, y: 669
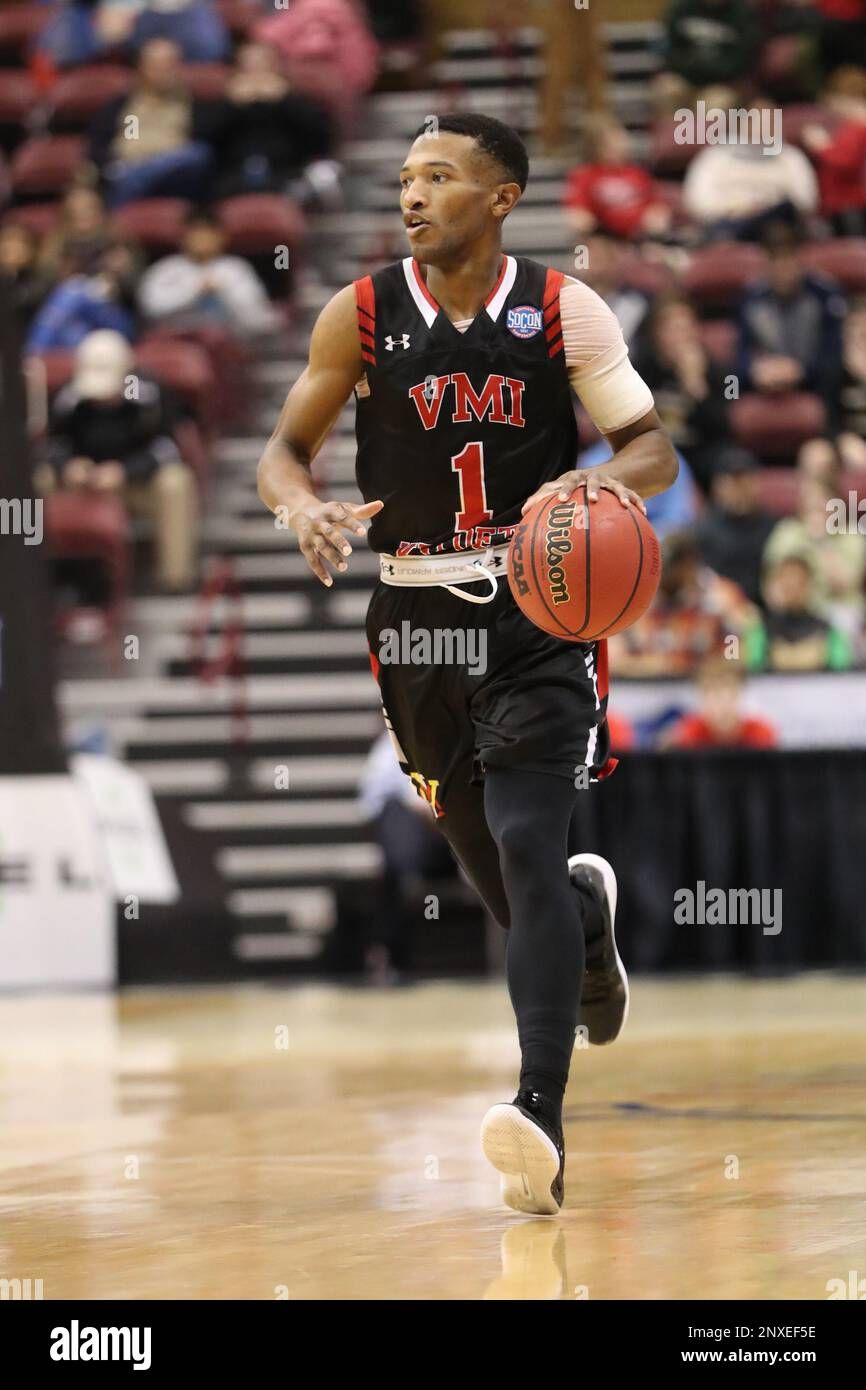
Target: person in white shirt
x: 201, y: 284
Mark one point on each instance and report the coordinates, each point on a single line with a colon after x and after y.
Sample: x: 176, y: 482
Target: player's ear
x: 507, y: 196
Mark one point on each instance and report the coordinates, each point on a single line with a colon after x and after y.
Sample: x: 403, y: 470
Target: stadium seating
x: 718, y: 274
x: 154, y: 223
x: 78, y: 94
x: 775, y: 426
x: 45, y: 164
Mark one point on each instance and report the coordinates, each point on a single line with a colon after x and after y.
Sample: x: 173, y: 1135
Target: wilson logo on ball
x: 557, y: 545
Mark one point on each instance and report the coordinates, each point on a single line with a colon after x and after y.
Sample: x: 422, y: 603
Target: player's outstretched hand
x: 319, y: 527
x: 593, y: 479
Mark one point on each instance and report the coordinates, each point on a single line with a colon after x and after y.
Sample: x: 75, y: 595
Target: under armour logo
x: 391, y: 343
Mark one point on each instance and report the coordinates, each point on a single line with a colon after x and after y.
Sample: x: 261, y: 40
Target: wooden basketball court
x: 315, y: 1142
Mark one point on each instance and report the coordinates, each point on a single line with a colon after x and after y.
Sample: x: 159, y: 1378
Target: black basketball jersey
x: 456, y: 429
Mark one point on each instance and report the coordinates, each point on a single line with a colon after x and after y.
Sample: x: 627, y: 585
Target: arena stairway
x: 256, y: 778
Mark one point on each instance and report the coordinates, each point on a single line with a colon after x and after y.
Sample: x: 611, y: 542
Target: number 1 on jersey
x: 469, y: 466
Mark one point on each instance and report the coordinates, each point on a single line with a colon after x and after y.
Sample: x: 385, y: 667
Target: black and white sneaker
x: 524, y: 1142
x: 604, y: 999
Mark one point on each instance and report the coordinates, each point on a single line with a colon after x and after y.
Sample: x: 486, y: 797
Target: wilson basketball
x: 584, y: 570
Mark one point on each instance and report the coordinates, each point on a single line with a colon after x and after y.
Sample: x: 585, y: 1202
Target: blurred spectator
x: 720, y: 721
x: 101, y: 297
x: 74, y: 35
x: 201, y: 285
x: 687, y: 385
x: 735, y: 189
x: 110, y: 431
x: 732, y: 533
x: 790, y: 635
x: 194, y: 25
x: 837, y: 558
x: 676, y: 507
x: 706, y: 41
x: 841, y: 156
x: 851, y: 399
x: 842, y: 34
x: 82, y: 233
x: 690, y: 618
x: 403, y: 826
x: 147, y: 143
x: 818, y: 458
x: 790, y: 325
x: 265, y: 132
x: 328, y: 50
x: 609, y: 190
x: 5, y: 188
x: 19, y: 265
x: 604, y: 274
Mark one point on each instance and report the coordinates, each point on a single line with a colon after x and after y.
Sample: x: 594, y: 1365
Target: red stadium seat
x: 46, y: 163
x: 18, y: 96
x: 775, y: 426
x: 78, y: 95
x: 206, y: 81
x: 650, y: 277
x: 58, y: 369
x: 778, y: 490
x: 19, y: 26
x: 85, y: 526
x: 719, y: 337
x: 228, y: 358
x: 719, y: 273
x: 157, y: 223
x: 257, y: 222
x: 186, y: 370
x: 844, y: 258
x: 666, y: 156
x: 41, y: 218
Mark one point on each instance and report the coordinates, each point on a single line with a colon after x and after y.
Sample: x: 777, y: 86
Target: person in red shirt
x: 611, y: 193
x: 840, y: 155
x: 719, y: 721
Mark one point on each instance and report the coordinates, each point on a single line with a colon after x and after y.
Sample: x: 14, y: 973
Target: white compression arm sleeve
x: 609, y: 388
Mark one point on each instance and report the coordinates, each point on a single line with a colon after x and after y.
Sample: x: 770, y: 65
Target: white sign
x: 56, y: 905
x: 130, y: 829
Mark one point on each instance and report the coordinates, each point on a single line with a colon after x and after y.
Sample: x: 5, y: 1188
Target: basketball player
x: 462, y: 361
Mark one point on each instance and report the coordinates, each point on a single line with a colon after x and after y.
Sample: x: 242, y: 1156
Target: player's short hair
x: 497, y: 140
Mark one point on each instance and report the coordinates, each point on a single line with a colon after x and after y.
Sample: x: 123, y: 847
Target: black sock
x: 529, y: 814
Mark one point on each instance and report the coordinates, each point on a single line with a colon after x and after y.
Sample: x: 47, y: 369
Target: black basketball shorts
x: 469, y: 686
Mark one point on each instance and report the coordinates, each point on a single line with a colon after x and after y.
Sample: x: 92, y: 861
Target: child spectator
x: 201, y: 285
x: 837, y: 558
x: 610, y: 191
x: 791, y: 636
x: 720, y: 721
x: 841, y: 156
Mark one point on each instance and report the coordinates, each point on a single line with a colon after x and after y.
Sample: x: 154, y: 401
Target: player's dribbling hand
x: 593, y: 479
x: 319, y: 527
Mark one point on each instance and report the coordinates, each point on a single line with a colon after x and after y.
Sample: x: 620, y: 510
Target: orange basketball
x: 584, y: 570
